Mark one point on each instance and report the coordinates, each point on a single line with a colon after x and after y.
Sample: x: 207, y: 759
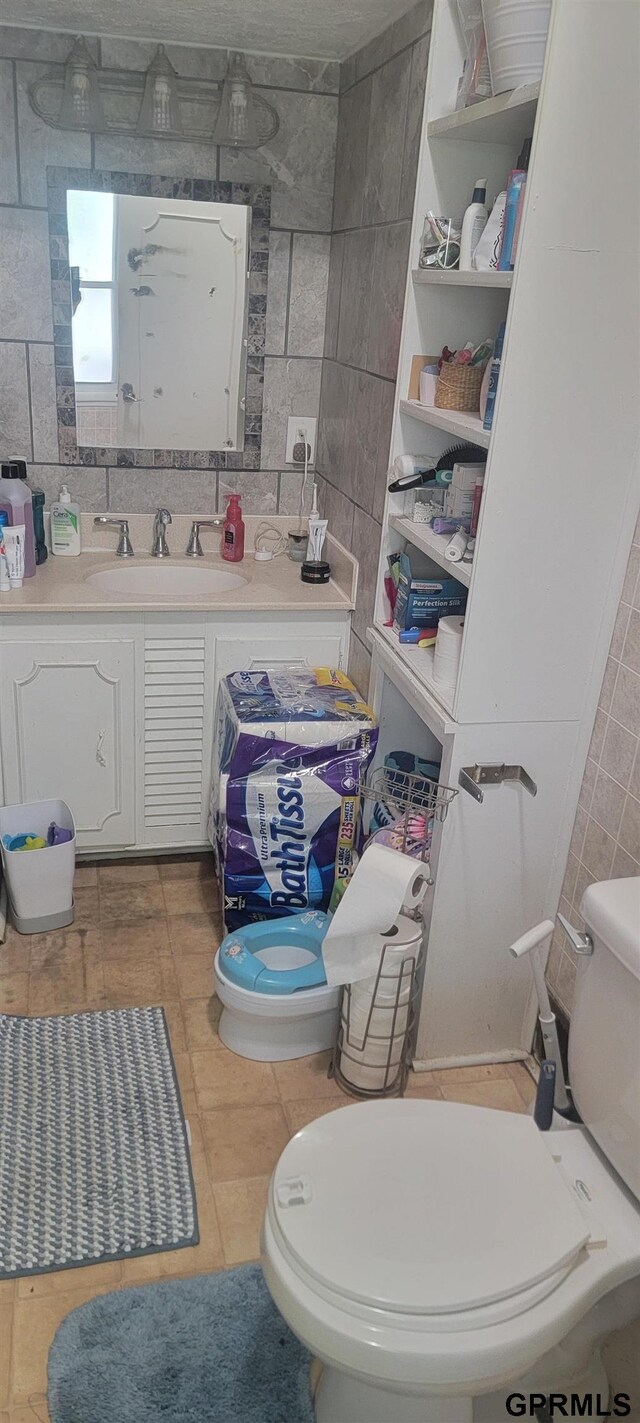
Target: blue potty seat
x: 249, y: 957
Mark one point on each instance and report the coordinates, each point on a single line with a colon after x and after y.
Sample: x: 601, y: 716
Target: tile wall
x: 299, y: 164
x: 606, y: 835
x: 381, y: 102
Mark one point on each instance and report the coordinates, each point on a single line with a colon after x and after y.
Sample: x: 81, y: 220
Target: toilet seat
x: 427, y: 1209
x: 249, y: 957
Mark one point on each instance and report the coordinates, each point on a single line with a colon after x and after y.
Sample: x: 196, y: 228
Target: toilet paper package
x: 292, y: 747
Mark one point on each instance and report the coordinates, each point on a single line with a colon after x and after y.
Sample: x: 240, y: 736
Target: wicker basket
x: 458, y: 387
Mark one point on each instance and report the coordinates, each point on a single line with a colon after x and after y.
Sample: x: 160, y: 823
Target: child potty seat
x: 240, y: 964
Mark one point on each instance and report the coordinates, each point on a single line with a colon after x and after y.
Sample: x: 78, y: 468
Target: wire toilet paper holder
x: 412, y: 798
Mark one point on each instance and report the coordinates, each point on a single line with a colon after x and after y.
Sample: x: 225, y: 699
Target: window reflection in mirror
x: 159, y: 290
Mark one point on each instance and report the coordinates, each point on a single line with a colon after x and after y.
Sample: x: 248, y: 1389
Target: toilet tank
x: 604, y: 1038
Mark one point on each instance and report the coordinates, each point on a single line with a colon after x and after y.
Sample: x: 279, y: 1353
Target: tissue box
x: 424, y: 598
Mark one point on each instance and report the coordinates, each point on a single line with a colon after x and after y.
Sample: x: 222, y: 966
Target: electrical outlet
x: 299, y: 428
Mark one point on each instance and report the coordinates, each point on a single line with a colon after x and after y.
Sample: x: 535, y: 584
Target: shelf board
x: 432, y: 544
x: 457, y: 422
x: 438, y: 278
x: 415, y: 666
x: 507, y: 118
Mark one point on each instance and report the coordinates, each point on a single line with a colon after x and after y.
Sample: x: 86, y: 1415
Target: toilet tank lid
x: 612, y: 911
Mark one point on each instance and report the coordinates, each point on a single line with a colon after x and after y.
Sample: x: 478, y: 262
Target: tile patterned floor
x: 144, y: 933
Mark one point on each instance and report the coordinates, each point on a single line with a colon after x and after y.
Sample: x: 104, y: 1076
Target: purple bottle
x: 15, y: 499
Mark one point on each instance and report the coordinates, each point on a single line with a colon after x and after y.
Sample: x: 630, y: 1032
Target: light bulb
x: 80, y: 89
x: 161, y: 103
x: 238, y: 111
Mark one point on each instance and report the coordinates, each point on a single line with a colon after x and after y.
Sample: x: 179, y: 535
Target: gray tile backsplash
x: 299, y: 166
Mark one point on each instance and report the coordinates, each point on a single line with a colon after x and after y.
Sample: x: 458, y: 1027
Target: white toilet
x: 436, y: 1257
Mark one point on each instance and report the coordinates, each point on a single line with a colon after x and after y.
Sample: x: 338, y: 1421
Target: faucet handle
x: 194, y: 547
x: 125, y: 547
x: 163, y: 516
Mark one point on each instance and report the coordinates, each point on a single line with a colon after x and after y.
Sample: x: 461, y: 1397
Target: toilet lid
x: 424, y: 1207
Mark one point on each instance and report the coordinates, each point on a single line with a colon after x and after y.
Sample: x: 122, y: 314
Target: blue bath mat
x: 94, y: 1159
x: 212, y: 1349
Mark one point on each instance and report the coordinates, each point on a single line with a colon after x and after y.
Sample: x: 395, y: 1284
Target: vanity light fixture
x: 236, y: 124
x: 160, y: 109
x: 158, y: 104
x: 81, y: 100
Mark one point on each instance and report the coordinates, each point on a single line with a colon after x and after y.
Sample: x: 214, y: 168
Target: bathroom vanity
x: 107, y: 694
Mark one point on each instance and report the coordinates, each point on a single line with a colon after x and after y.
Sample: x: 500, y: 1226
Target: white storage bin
x: 39, y: 882
x: 516, y: 33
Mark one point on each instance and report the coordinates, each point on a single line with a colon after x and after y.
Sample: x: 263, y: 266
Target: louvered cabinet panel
x: 174, y: 728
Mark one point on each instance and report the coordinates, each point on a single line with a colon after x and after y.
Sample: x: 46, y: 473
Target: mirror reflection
x: 159, y: 295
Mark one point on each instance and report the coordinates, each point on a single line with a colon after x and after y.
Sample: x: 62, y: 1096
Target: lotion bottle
x: 233, y: 531
x: 473, y: 225
x: 65, y: 525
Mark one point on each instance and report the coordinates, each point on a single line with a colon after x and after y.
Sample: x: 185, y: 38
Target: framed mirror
x: 159, y: 296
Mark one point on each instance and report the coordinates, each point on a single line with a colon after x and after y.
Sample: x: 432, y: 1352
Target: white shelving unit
x: 553, y: 537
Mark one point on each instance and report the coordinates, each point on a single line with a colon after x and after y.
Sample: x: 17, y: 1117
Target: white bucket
x: 516, y: 33
x: 39, y: 882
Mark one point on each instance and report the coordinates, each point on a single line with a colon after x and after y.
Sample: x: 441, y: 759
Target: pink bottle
x: 233, y: 531
x: 15, y: 499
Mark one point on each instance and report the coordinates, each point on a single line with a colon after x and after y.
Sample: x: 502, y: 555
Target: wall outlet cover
x: 299, y: 429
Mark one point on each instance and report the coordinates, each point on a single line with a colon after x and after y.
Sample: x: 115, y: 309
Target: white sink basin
x: 164, y: 580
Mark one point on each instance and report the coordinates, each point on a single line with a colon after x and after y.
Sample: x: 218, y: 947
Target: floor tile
x: 6, y: 1325
x: 86, y: 906
x: 502, y: 1093
x: 8, y: 1289
x: 306, y: 1077
x: 175, y: 1024
x: 419, y: 1084
x: 35, y: 1412
x: 119, y: 901
x: 299, y: 1114
x: 184, y: 1071
x: 139, y: 983
x: 128, y: 872
x: 58, y: 1282
x: 74, y: 948
x: 243, y: 1141
x: 524, y: 1082
x: 62, y: 987
x: 135, y: 938
x: 240, y: 1206
x: 188, y: 867
x: 201, y: 1021
x: 194, y: 934
x: 85, y: 877
x: 223, y: 1079
x: 190, y: 896
x: 194, y: 973
x: 15, y: 952
x: 14, y: 993
x: 34, y: 1325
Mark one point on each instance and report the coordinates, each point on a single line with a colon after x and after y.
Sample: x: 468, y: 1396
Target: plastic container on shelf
x: 516, y: 32
x: 16, y: 500
x: 39, y: 882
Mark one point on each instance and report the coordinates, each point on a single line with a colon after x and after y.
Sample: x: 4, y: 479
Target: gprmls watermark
x: 568, y: 1405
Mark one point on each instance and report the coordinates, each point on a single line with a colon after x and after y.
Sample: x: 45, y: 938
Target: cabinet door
x: 68, y: 732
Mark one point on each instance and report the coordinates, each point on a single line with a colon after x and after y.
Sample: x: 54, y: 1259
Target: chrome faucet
x: 194, y: 547
x: 160, y: 547
x: 125, y: 546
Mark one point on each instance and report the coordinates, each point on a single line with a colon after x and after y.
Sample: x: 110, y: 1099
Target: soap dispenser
x: 233, y: 531
x: 65, y: 525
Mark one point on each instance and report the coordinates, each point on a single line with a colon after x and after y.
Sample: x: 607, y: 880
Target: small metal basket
x: 389, y: 1031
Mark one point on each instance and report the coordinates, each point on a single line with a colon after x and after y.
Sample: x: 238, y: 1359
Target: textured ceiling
x: 324, y: 29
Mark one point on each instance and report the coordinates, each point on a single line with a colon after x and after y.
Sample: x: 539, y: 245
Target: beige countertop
x: 62, y: 585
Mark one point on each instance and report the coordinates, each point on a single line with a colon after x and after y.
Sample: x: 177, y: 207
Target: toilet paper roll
x: 456, y: 546
x: 446, y: 657
x: 384, y: 881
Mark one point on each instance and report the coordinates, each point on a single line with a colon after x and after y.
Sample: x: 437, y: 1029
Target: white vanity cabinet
x: 116, y: 714
x: 67, y: 728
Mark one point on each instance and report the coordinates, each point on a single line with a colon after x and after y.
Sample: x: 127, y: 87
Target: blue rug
x: 212, y: 1349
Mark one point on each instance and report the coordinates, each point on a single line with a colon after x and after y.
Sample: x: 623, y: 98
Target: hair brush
x: 456, y: 454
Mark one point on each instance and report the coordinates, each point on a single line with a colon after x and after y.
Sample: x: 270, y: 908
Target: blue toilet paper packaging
x: 291, y: 750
